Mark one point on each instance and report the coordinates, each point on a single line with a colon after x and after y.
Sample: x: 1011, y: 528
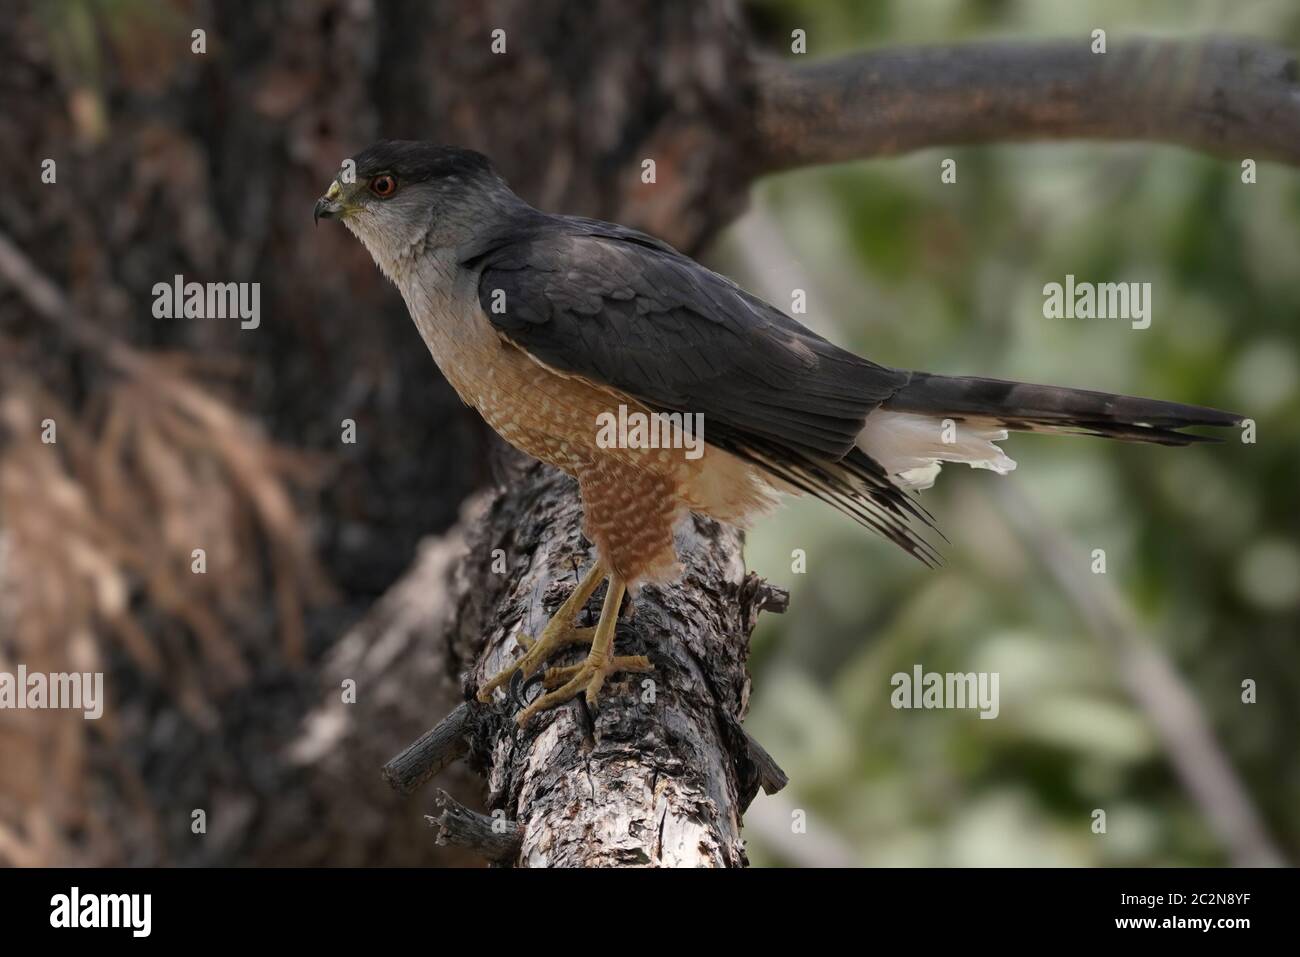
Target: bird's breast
x: 559, y: 418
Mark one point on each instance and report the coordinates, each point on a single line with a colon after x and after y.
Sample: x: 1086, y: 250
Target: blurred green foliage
x: 1202, y: 542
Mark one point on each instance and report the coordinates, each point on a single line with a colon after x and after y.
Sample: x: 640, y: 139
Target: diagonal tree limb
x: 1155, y: 686
x: 662, y: 771
x: 1231, y: 97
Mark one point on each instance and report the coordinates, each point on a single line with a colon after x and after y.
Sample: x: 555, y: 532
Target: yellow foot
x: 562, y: 638
x: 556, y: 677
x: 565, y: 684
x: 573, y: 680
x: 554, y: 637
x: 558, y: 633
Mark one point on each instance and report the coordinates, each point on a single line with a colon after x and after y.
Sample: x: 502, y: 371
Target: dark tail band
x: 1024, y: 407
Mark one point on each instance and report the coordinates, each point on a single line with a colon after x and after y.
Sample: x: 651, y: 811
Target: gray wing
x: 620, y: 308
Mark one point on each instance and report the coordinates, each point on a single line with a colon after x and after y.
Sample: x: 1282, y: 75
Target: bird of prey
x: 549, y: 324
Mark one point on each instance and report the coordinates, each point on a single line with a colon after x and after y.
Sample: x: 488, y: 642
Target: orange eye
x: 383, y: 186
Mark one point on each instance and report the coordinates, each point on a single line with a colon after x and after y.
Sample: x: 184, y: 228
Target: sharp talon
x: 514, y: 692
x: 586, y: 719
x: 550, y: 700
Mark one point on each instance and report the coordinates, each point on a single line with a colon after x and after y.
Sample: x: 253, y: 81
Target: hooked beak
x: 328, y: 206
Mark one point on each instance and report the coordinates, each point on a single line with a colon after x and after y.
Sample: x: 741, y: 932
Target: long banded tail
x: 936, y: 418
x: 1024, y: 407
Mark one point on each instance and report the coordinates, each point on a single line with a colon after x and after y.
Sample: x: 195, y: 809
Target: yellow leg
x: 558, y: 677
x: 590, y: 675
x: 558, y: 633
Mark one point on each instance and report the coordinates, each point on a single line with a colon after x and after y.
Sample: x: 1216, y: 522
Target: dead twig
x: 495, y: 838
x: 434, y: 750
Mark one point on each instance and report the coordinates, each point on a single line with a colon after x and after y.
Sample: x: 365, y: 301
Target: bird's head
x: 402, y: 197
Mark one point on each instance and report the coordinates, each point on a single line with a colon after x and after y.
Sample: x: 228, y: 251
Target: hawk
x: 550, y: 324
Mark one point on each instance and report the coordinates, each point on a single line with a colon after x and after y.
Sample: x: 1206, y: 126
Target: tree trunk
x: 207, y: 165
x: 661, y: 772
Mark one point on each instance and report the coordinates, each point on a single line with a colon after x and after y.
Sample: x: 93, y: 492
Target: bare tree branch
x: 1230, y: 97
x: 448, y: 741
x: 662, y: 771
x: 496, y: 839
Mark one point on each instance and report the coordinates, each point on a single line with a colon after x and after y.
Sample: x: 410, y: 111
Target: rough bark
x: 662, y: 771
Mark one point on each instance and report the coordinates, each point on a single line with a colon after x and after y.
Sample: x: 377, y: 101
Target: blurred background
x: 1120, y: 691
